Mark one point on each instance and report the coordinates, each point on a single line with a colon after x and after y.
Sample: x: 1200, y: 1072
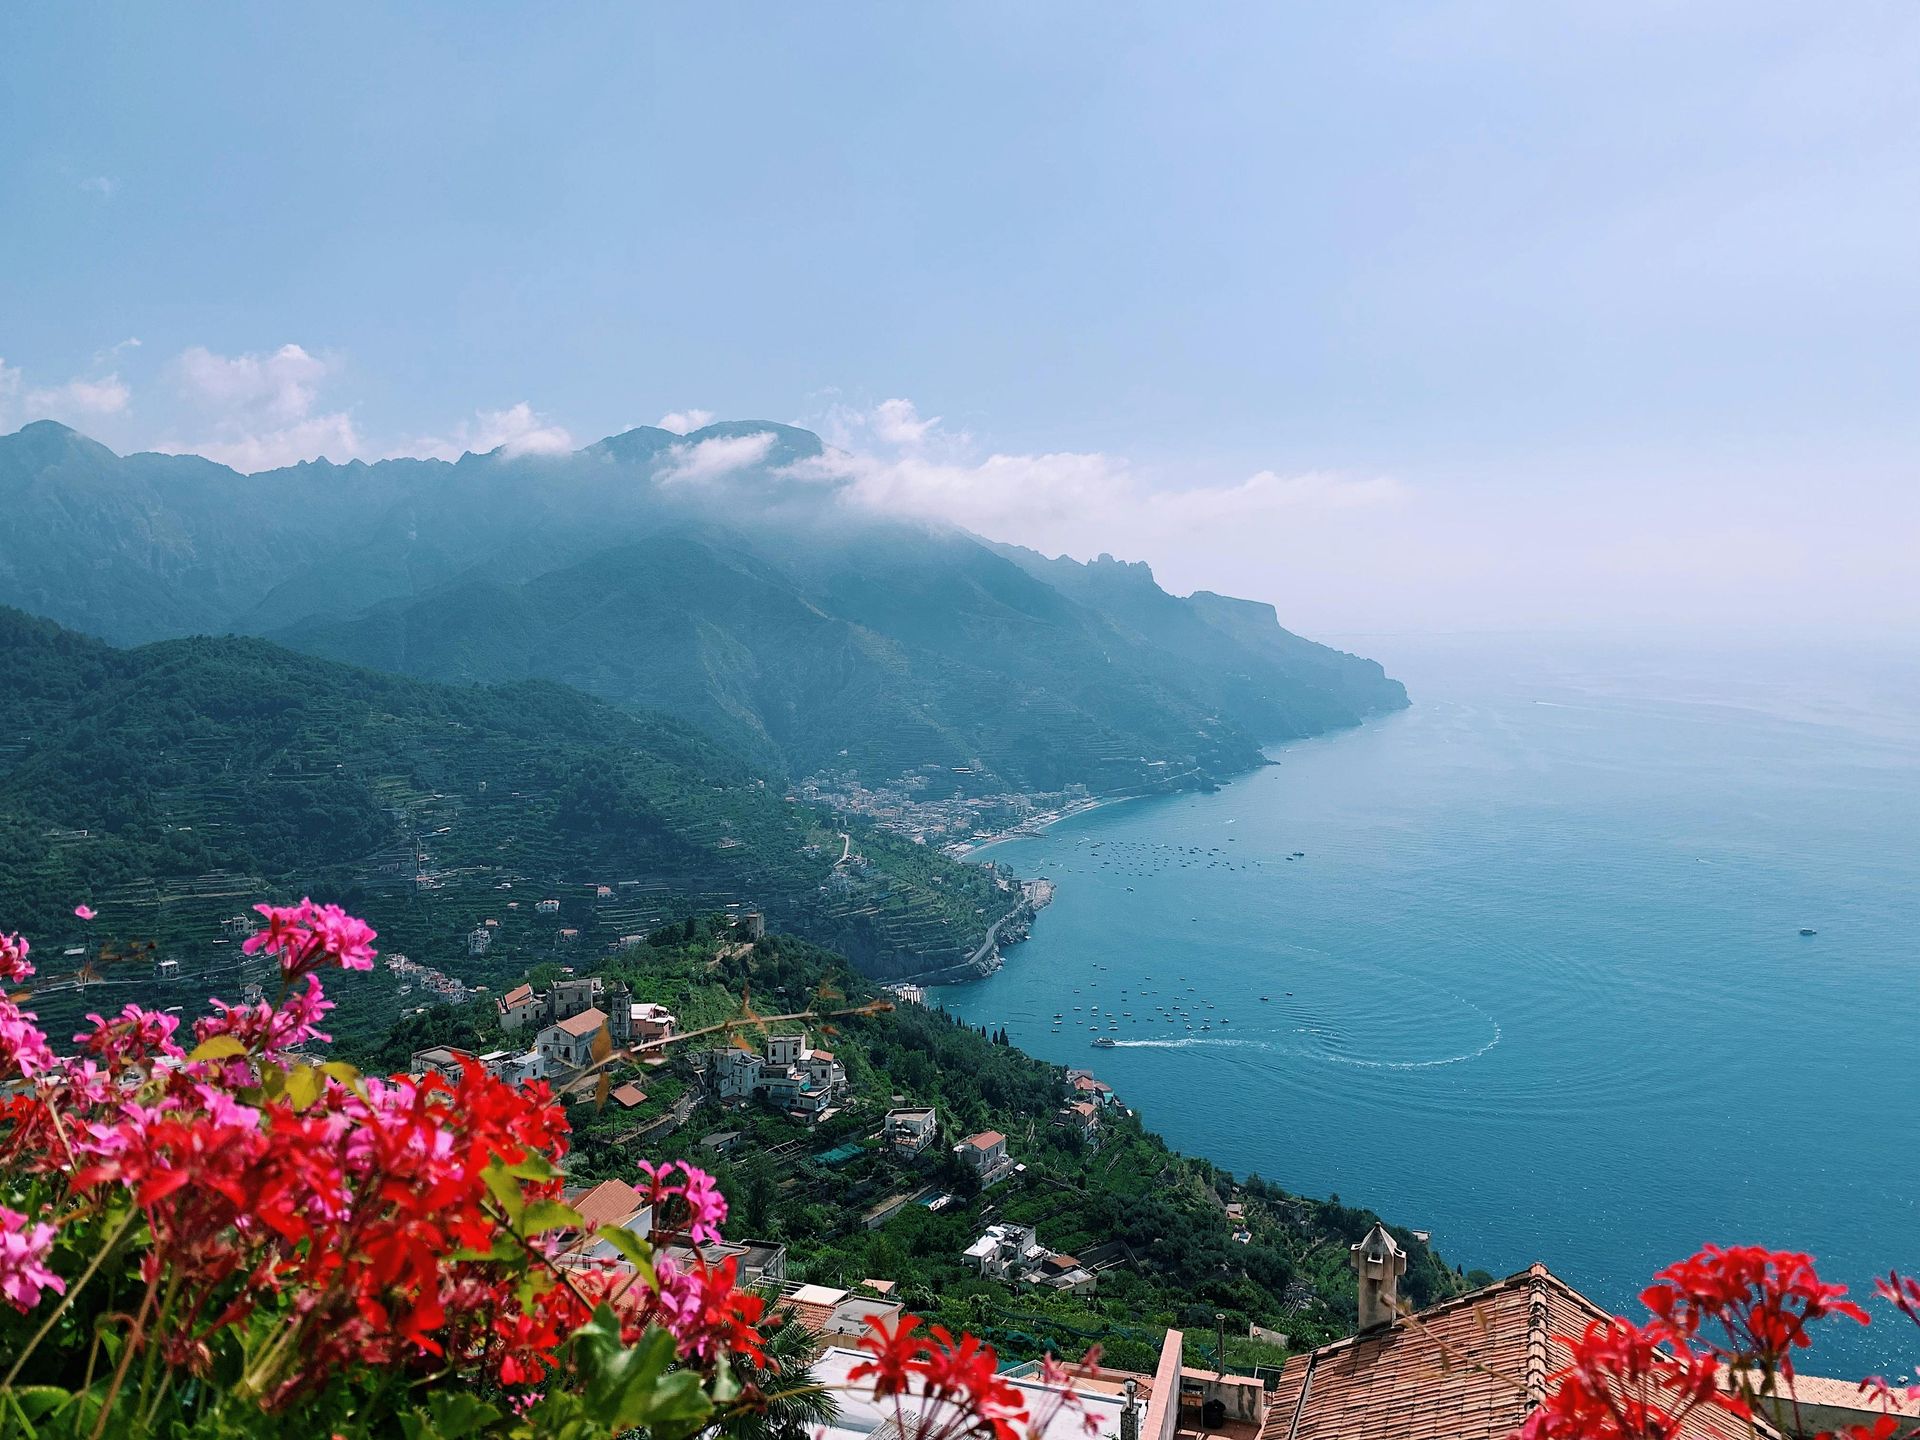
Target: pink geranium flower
x: 24, y: 1276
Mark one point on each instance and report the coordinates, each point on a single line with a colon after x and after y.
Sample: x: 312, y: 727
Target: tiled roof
x: 986, y: 1139
x: 1469, y: 1368
x: 611, y: 1202
x: 629, y: 1095
x: 585, y: 1023
x: 1819, y: 1390
x: 812, y: 1316
x: 519, y: 995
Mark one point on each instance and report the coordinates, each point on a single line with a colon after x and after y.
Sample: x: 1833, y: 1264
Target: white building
x: 987, y: 1154
x: 568, y: 1044
x: 789, y: 1074
x: 909, y: 1131
x: 1006, y: 1252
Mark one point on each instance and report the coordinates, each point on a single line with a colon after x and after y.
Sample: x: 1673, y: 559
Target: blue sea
x: 1535, y: 982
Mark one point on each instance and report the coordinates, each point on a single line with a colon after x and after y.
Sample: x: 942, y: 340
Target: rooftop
x: 1469, y: 1368
x: 611, y: 1202
x: 585, y: 1023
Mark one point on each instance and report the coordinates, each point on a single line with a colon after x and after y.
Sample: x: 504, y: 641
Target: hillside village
x: 896, y: 1155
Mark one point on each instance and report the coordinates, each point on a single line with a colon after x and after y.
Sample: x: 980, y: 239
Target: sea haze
x: 1537, y: 983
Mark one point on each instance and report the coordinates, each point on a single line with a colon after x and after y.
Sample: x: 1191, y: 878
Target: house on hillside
x: 651, y: 1024
x: 1082, y: 1118
x: 828, y: 1310
x: 986, y: 1154
x: 441, y: 1060
x: 610, y: 1203
x: 789, y: 1074
x: 759, y: 1262
x: 911, y: 1130
x: 1006, y: 1252
x: 1081, y: 1085
x: 628, y: 1022
x: 568, y: 1044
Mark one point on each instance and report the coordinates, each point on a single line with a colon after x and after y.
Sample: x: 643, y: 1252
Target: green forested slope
x: 172, y: 785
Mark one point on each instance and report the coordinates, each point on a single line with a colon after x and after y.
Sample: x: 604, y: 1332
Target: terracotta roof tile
x: 629, y: 1095
x: 585, y: 1023
x: 611, y: 1202
x: 1471, y: 1368
x: 986, y: 1139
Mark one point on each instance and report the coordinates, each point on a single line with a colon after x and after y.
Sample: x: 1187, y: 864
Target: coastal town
x: 942, y: 806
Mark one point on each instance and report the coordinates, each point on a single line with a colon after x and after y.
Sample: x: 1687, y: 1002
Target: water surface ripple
x: 1536, y: 983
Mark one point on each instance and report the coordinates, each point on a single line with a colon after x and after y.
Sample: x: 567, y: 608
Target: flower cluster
x: 258, y: 1232
x: 276, y: 1229
x: 309, y: 937
x: 692, y: 1203
x: 1721, y: 1335
x: 24, y: 1275
x: 956, y: 1382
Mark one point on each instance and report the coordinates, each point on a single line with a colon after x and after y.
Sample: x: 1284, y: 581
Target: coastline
x: 1026, y: 829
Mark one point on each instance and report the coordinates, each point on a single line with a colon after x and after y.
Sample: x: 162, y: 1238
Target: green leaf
x: 450, y: 1415
x: 304, y: 1086
x: 677, y: 1407
x: 36, y: 1402
x: 620, y: 1381
x: 505, y: 1189
x: 633, y: 1247
x: 545, y: 1215
x: 217, y: 1047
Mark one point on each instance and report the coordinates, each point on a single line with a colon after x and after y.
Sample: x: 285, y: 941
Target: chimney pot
x: 1379, y: 1263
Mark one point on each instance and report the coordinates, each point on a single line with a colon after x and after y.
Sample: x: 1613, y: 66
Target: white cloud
x: 330, y: 437
x: 101, y: 185
x: 715, y: 458
x: 278, y: 388
x: 79, y: 402
x: 683, y: 421
x: 891, y: 460
x: 260, y: 408
x: 517, y: 430
x: 80, y: 398
x: 520, y: 431
x: 897, y: 422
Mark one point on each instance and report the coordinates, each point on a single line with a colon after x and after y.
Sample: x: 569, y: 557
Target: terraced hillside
x: 174, y: 785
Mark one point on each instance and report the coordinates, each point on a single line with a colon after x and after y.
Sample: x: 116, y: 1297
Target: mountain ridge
x: 693, y: 574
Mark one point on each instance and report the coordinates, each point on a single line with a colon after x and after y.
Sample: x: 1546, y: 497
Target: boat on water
x: 1263, y: 999
x: 1805, y: 931
x: 1105, y: 1043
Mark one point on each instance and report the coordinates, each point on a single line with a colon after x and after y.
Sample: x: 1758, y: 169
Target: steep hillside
x: 173, y: 785
x: 1155, y: 1220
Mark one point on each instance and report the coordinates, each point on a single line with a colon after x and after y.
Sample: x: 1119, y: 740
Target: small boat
x: 1805, y: 931
x: 1263, y: 999
x: 1105, y: 1043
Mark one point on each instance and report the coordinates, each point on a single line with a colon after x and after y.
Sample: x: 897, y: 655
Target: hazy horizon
x: 1448, y: 318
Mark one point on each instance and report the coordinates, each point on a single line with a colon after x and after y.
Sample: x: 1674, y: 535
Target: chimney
x: 1130, y: 1412
x: 1379, y: 1263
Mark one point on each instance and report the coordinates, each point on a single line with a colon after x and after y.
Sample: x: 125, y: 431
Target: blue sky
x: 1399, y: 316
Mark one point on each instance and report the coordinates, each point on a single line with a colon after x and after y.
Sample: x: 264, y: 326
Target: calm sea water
x: 1536, y: 984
